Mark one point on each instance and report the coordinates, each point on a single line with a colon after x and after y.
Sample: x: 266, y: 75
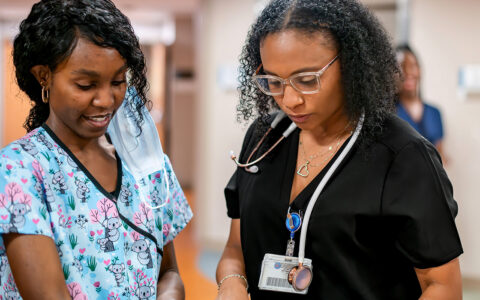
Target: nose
x: 291, y: 97
x: 104, y: 97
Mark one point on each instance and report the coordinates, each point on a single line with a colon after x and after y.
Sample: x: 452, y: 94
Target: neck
x: 336, y: 126
x: 409, y: 98
x: 75, y: 143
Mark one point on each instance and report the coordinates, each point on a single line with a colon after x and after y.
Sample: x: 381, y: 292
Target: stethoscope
x: 300, y: 276
x: 251, y: 167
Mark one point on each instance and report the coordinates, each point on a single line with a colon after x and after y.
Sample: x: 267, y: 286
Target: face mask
x: 141, y: 152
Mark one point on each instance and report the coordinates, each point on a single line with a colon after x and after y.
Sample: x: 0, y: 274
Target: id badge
x: 274, y: 275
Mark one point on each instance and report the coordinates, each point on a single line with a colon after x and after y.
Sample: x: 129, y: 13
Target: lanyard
x: 321, y: 185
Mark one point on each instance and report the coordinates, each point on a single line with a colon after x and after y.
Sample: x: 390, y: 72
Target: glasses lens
x: 269, y: 85
x: 306, y: 83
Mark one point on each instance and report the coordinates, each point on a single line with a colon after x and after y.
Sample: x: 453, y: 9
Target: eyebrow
x: 306, y: 69
x: 91, y: 73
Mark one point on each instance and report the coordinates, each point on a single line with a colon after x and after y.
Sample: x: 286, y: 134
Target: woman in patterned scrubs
x: 72, y: 222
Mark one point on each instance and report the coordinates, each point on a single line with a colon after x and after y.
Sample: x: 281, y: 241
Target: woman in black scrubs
x: 383, y: 227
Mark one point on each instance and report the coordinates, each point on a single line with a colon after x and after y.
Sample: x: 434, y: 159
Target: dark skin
x: 322, y: 119
x: 85, y: 91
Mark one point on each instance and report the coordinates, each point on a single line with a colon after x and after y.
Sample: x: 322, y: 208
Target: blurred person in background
x: 339, y: 199
x: 76, y: 221
x: 425, y: 118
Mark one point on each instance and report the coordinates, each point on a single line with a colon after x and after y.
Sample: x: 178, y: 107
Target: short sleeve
x: 231, y: 190
x: 231, y: 197
x: 176, y: 213
x: 23, y: 206
x: 438, y: 126
x: 419, y: 207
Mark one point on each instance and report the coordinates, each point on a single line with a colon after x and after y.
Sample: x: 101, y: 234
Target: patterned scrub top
x: 110, y: 244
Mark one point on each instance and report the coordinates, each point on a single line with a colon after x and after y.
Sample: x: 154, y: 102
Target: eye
x: 118, y: 82
x: 308, y: 79
x: 274, y: 83
x: 85, y: 87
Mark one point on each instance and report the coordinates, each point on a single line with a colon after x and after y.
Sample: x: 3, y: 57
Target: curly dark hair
x: 368, y: 63
x: 49, y: 35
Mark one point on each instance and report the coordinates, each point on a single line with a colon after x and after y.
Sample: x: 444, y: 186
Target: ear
x: 110, y: 268
x: 123, y: 267
x: 105, y: 223
x: 10, y: 209
x: 42, y: 73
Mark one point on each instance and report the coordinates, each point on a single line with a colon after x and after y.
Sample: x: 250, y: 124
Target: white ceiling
x: 152, y: 20
x: 137, y: 10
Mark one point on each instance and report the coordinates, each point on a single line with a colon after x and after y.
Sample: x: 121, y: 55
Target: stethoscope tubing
x: 252, y: 164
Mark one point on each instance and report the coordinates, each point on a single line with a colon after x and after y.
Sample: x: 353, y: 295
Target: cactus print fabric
x: 110, y: 244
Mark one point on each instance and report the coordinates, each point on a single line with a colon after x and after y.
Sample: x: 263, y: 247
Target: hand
x: 233, y: 289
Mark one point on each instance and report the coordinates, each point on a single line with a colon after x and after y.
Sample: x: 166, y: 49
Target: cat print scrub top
x: 110, y: 243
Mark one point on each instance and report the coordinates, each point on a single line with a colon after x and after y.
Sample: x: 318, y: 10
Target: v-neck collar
x: 405, y: 112
x: 301, y: 200
x: 85, y: 170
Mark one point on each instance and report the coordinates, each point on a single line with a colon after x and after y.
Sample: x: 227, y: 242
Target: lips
x: 98, y: 121
x: 299, y: 118
x: 410, y: 84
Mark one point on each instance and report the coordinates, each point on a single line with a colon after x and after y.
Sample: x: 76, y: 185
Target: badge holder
x: 285, y: 273
x: 275, y: 273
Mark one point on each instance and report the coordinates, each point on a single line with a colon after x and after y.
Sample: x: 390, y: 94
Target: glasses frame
x: 289, y: 81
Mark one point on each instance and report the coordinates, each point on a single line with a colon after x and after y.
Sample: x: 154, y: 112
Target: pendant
x: 303, y: 170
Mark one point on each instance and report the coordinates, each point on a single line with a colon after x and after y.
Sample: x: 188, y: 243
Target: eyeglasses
x: 305, y: 82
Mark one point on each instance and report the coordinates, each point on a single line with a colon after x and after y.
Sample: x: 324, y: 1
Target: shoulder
x: 431, y: 110
x: 258, y: 129
x: 430, y: 107
x: 398, y: 134
x: 25, y: 148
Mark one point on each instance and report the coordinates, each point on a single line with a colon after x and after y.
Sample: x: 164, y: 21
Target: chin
x: 89, y: 134
x: 306, y: 126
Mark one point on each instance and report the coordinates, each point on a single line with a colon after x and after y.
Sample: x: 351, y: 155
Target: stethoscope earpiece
x: 300, y: 277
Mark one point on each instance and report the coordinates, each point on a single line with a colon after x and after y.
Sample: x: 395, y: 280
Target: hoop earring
x: 45, y: 94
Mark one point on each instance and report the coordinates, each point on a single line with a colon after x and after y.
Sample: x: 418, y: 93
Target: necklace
x: 326, y: 155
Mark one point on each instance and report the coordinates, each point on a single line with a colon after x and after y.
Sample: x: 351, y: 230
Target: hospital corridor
x: 203, y: 74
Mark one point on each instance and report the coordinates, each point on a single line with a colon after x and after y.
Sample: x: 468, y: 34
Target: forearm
x: 231, y: 268
x: 232, y: 263
x: 170, y: 286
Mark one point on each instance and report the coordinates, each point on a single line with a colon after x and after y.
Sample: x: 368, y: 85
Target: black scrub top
x: 386, y: 209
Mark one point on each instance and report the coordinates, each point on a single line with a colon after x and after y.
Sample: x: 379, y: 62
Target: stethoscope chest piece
x: 300, y: 277
x: 252, y: 169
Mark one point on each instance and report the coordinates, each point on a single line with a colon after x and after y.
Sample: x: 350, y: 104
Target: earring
x: 45, y: 93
